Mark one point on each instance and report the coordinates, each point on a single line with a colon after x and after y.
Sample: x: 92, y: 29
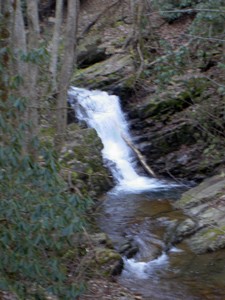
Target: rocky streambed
x: 169, y: 237
x: 172, y: 241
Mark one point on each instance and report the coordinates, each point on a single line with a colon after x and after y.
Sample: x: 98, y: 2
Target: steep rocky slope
x: 178, y: 126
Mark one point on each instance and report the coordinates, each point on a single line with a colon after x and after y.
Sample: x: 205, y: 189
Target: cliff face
x: 168, y: 130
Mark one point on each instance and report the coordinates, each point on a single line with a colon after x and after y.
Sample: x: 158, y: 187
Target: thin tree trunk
x: 18, y: 42
x: 66, y: 70
x: 32, y: 86
x: 55, y: 43
x: 136, y: 8
x: 5, y: 40
x: 4, y: 7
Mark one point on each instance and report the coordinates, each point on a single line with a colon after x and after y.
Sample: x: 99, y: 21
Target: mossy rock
x: 109, y: 260
x: 82, y: 161
x: 105, y: 255
x: 182, y: 94
x: 106, y: 74
x: 207, y: 240
x: 90, y: 51
x: 156, y: 107
x: 205, y: 206
x: 173, y: 137
x: 202, y: 193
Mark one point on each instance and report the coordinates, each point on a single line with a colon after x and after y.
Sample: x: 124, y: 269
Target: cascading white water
x: 102, y: 112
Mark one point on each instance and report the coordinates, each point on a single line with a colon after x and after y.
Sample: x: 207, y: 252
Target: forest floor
x: 103, y: 289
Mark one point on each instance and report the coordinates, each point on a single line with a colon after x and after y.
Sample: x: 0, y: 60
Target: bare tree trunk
x: 136, y: 8
x: 66, y: 70
x: 5, y: 39
x: 55, y: 43
x: 7, y: 16
x: 151, y: 30
x: 32, y: 88
x: 18, y: 42
x: 4, y: 6
x: 28, y: 71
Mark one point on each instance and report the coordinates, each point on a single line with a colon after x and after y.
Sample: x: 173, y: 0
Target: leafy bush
x: 209, y: 22
x: 39, y: 218
x: 169, y: 9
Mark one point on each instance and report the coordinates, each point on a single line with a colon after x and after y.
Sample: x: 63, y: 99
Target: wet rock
x: 99, y: 253
x: 205, y: 205
x: 117, y: 268
x: 104, y: 255
x: 110, y: 260
x: 124, y: 247
x: 208, y: 239
x: 131, y: 252
x: 128, y: 249
x: 205, y: 192
x: 184, y: 229
x: 100, y: 238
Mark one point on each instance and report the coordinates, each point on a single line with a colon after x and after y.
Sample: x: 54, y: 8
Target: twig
x: 140, y: 156
x: 160, y: 59
x: 141, y: 67
x: 72, y: 186
x: 203, y: 38
x: 187, y: 11
x: 102, y: 13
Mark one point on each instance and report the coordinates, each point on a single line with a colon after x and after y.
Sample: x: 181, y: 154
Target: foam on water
x: 143, y: 270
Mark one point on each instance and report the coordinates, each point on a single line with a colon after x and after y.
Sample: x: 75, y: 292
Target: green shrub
x: 210, y: 22
x: 39, y: 218
x: 170, y: 9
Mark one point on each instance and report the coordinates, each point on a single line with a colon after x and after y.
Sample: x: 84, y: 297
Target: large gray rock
x: 113, y: 74
x: 204, y: 230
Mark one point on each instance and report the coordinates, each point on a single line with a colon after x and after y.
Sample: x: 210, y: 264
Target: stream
x: 139, y: 212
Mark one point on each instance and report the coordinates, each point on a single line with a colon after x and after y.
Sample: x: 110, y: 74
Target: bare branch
x: 139, y: 156
x: 102, y: 13
x: 191, y: 10
x: 203, y: 38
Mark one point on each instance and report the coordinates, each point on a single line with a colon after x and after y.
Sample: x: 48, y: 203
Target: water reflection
x: 159, y: 271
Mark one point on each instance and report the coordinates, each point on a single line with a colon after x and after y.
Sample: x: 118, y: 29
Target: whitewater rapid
x: 102, y: 111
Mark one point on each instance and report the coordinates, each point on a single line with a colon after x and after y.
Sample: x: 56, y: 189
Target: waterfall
x: 102, y: 111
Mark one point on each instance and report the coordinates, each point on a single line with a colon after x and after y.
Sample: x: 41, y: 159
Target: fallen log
x: 139, y: 156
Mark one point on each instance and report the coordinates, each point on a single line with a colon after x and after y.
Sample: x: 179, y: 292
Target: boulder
x: 100, y: 255
x: 83, y: 167
x: 113, y: 74
x: 204, y: 230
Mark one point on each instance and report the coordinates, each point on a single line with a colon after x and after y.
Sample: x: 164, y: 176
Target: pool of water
x: 159, y: 271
